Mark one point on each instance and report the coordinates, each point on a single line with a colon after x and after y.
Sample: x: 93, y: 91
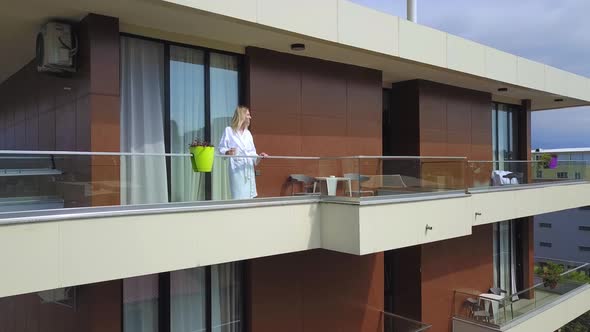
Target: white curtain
x: 187, y: 120
x: 226, y: 297
x: 187, y: 300
x: 143, y: 179
x: 140, y: 304
x: 505, y: 256
x: 224, y: 100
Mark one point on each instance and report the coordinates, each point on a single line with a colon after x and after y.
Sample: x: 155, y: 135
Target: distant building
x: 564, y: 234
x: 571, y: 164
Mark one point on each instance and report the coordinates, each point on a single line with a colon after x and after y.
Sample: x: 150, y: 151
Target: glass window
x: 170, y: 96
x: 226, y: 297
x: 188, y: 300
x: 546, y: 244
x: 504, y: 256
x: 504, y: 134
x: 223, y: 73
x: 584, y: 228
x: 187, y: 120
x: 142, y: 122
x: 140, y: 304
x: 545, y: 225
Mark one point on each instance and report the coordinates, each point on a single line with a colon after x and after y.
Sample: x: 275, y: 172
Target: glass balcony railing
x: 484, y: 174
x: 396, y: 323
x: 37, y: 180
x: 553, y: 281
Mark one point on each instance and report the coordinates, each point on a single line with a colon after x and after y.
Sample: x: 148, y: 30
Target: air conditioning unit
x: 56, y: 48
x: 63, y: 296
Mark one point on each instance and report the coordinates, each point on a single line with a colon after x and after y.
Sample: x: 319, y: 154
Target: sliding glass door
x: 187, y: 120
x: 224, y: 98
x: 504, y: 131
x: 172, y: 95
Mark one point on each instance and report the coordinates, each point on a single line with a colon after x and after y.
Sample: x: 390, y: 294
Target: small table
x: 332, y: 182
x: 494, y: 300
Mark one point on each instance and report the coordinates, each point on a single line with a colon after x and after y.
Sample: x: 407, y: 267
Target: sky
x: 554, y: 32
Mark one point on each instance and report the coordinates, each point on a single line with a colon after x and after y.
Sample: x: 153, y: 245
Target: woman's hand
x: 230, y: 152
x: 263, y: 154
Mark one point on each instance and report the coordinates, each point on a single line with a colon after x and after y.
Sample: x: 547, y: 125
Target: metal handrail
x: 114, y: 153
x: 424, y: 325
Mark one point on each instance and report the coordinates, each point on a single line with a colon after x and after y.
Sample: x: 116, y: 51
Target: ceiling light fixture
x: 298, y: 47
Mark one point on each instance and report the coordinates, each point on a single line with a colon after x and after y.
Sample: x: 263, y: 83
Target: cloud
x: 553, y: 32
x: 566, y: 128
x: 548, y: 31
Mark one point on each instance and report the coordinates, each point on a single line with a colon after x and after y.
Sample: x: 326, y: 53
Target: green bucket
x: 202, y: 158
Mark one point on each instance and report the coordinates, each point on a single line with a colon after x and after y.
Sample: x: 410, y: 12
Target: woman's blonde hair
x: 239, y: 117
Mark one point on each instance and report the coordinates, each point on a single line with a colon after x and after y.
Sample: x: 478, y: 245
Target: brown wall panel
x: 309, y: 107
x: 316, y: 291
x: 76, y: 112
x: 463, y: 263
x: 97, y: 309
x: 431, y: 119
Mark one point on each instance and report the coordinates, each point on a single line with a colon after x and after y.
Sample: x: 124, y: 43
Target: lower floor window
x: 504, y: 256
x: 207, y: 299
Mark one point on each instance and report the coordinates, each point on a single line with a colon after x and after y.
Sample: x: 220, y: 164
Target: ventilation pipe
x: 412, y: 10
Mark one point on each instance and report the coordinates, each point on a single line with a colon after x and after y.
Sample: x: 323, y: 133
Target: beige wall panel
x: 366, y: 28
x: 340, y: 227
x: 577, y: 86
x: 501, y: 66
x: 465, y: 56
x: 317, y: 19
x: 29, y: 258
x: 241, y: 9
x: 501, y: 205
x: 423, y: 44
x: 268, y: 231
x: 556, y: 81
x: 391, y: 226
x: 112, y: 248
x: 531, y: 74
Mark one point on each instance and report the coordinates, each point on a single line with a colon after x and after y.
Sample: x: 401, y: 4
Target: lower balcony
x: 396, y: 323
x: 557, y: 298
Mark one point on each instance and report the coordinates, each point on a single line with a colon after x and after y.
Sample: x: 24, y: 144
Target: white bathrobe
x: 241, y: 170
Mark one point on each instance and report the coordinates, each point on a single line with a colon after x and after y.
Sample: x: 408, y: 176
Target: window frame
x: 207, y: 86
x: 164, y: 278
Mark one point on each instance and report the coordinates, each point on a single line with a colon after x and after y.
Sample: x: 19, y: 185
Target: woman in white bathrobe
x: 237, y: 140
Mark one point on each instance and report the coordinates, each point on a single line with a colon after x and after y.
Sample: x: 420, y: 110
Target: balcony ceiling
x: 20, y: 21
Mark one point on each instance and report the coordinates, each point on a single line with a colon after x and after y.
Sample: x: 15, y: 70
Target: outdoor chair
x: 308, y: 184
x: 360, y: 179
